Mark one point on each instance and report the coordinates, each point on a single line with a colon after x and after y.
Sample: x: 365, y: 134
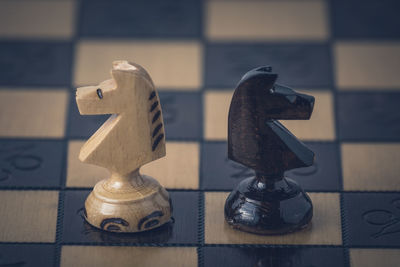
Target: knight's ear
x: 121, y: 77
x: 272, y: 77
x: 268, y: 80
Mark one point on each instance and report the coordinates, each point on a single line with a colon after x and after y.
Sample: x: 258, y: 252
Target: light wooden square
x: 178, y: 169
x: 174, y: 65
x: 320, y: 127
x: 80, y: 174
x: 216, y: 110
x: 98, y: 256
x: 374, y: 257
x: 33, y: 113
x: 267, y: 20
x: 28, y: 216
x: 37, y: 19
x: 325, y: 229
x: 371, y: 166
x: 367, y: 65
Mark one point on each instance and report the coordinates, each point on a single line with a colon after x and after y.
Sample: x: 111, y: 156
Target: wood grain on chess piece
x: 131, y: 137
x: 268, y: 203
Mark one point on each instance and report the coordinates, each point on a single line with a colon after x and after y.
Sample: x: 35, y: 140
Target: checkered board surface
x: 344, y: 52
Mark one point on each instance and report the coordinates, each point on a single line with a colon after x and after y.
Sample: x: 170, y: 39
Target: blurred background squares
x: 141, y: 19
x: 171, y: 64
x: 33, y: 113
x: 300, y: 65
x: 365, y: 19
x: 266, y: 20
x: 367, y: 66
x: 35, y: 62
x: 37, y: 19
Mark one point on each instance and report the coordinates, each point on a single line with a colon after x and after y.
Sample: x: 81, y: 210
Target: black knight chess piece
x: 267, y: 203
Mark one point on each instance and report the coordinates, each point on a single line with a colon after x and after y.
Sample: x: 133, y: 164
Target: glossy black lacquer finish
x: 267, y: 203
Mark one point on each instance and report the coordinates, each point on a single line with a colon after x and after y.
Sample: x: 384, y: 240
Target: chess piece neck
x: 263, y: 183
x: 270, y: 177
x: 124, y: 181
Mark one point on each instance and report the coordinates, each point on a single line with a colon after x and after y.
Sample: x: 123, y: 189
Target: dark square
x: 27, y: 255
x: 369, y: 116
x: 365, y: 18
x: 35, y: 163
x: 219, y: 173
x: 324, y: 175
x: 82, y: 126
x: 300, y: 65
x: 373, y: 219
x: 183, y: 230
x: 141, y: 18
x: 46, y: 63
x: 290, y: 257
x: 181, y: 113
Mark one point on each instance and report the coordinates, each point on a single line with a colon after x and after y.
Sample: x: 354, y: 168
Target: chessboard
x: 345, y: 53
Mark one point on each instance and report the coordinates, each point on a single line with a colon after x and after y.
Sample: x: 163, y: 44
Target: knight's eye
x: 272, y: 90
x: 99, y: 93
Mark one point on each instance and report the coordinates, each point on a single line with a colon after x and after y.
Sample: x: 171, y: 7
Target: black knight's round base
x: 270, y: 208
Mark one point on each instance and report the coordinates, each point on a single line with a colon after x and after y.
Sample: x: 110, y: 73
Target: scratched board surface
x: 345, y: 53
